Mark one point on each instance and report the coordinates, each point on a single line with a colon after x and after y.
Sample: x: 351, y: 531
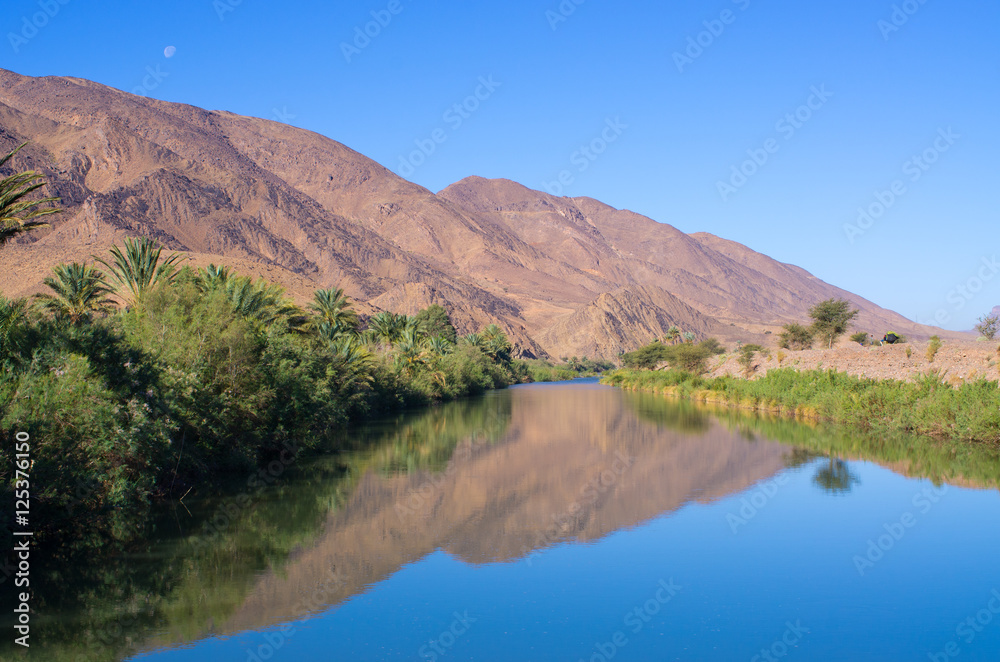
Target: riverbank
x: 927, y: 406
x: 956, y: 361
x: 203, y: 376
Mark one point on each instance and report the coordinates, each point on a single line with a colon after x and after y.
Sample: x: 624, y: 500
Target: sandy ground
x: 956, y: 361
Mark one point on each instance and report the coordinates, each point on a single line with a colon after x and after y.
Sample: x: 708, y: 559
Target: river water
x: 567, y: 521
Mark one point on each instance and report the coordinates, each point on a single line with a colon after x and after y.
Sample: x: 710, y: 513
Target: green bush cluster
x: 831, y: 319
x: 569, y: 368
x: 687, y: 356
x: 928, y: 406
x: 205, y: 372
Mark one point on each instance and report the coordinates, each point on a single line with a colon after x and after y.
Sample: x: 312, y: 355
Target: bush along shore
x: 136, y: 380
x: 969, y: 412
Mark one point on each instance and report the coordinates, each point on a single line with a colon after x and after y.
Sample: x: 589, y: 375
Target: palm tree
x: 213, y: 277
x: 439, y: 346
x: 353, y: 349
x: 368, y: 337
x: 673, y: 333
x: 415, y: 328
x: 351, y: 363
x: 138, y: 267
x: 410, y: 353
x: 259, y: 301
x: 496, y: 344
x: 17, y: 214
x: 474, y: 339
x: 80, y: 290
x: 333, y: 315
x: 388, y: 327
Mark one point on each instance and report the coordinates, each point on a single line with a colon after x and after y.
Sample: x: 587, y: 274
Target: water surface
x: 568, y: 521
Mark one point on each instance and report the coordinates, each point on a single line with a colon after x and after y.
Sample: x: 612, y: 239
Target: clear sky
x: 651, y: 106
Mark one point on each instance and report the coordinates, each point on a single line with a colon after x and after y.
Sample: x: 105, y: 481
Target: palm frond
x: 18, y: 214
x: 79, y: 290
x: 138, y: 268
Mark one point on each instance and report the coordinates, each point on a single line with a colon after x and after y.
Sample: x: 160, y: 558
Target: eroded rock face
x: 564, y: 276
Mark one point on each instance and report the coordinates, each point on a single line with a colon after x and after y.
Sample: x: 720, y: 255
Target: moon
x: 169, y: 51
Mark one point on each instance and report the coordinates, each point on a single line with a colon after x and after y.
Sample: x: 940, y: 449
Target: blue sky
x: 650, y: 106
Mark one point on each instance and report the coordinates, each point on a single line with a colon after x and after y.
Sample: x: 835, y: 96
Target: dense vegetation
x: 186, y: 574
x: 202, y: 372
x: 685, y: 356
x: 970, y: 412
x: 570, y: 368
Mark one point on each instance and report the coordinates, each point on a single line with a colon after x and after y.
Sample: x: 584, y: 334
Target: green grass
x: 970, y: 412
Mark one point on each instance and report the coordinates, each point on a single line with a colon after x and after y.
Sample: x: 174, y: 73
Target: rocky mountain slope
x: 565, y: 276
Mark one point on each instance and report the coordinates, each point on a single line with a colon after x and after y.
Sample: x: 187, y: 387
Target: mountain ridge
x: 564, y: 276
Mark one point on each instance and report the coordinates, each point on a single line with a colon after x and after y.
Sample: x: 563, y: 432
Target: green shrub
x: 933, y: 347
x: 831, y: 319
x: 713, y: 346
x: 690, y: 358
x: 210, y: 358
x: 101, y: 438
x: 646, y: 358
x: 687, y: 356
x: 434, y: 321
x: 747, y: 354
x: 796, y: 336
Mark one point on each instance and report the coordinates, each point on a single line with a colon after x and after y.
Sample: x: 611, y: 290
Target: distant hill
x: 565, y: 276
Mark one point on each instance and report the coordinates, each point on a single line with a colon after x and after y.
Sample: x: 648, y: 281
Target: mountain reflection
x: 492, y: 479
x: 571, y: 464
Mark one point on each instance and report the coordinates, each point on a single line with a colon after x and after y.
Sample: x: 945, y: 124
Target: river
x: 567, y: 521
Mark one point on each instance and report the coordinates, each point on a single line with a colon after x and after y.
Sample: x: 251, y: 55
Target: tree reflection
x: 835, y: 477
x: 677, y: 415
x: 799, y: 457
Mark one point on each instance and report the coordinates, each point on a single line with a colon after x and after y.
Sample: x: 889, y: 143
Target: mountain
x: 564, y: 276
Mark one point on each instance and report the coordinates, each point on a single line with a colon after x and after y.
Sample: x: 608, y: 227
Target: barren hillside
x: 565, y: 276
